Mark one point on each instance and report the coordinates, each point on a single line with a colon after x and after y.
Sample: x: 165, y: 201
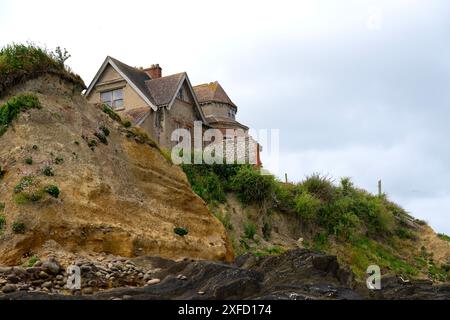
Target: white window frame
x: 114, y: 99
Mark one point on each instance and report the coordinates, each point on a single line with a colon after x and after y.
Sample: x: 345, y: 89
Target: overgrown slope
x: 265, y: 216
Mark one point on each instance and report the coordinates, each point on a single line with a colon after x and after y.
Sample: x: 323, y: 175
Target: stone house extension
x: 160, y: 104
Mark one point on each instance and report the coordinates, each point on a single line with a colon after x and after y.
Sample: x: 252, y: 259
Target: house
x: 160, y: 104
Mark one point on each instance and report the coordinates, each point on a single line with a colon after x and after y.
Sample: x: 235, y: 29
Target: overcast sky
x: 357, y: 88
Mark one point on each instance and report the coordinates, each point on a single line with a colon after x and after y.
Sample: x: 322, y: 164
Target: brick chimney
x: 154, y: 71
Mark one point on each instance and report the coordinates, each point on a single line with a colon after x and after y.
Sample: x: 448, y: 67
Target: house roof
x: 212, y: 92
x: 137, y: 115
x: 217, y: 121
x: 165, y: 88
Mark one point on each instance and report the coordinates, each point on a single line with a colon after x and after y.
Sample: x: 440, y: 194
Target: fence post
x: 379, y: 188
x: 285, y: 178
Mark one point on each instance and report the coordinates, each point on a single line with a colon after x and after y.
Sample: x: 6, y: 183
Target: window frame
x: 112, y: 103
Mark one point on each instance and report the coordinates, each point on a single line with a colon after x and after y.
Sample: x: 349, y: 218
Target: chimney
x: 154, y: 71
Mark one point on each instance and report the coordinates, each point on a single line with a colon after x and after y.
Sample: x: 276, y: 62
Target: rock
x: 85, y: 269
x: 51, y: 267
x: 3, y: 281
x: 33, y: 269
x: 47, y: 284
x: 12, y: 279
x: 201, y: 293
x: 37, y: 263
x: 59, y: 277
x: 5, y: 269
x: 43, y: 275
x: 153, y: 281
x: 87, y: 291
x: 9, y: 288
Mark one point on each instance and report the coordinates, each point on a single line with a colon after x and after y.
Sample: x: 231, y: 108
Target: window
x: 113, y: 98
x: 232, y: 113
x: 180, y: 94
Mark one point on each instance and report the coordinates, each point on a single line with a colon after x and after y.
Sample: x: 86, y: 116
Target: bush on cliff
x: 11, y: 109
x: 19, y: 62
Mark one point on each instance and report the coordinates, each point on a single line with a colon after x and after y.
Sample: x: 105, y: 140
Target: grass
x: 18, y: 227
x: 2, y: 222
x: 271, y: 251
x: 111, y: 113
x: 48, y: 171
x: 225, y: 219
x: 444, y: 237
x: 250, y: 230
x: 29, y: 160
x: 2, y: 206
x: 17, y: 104
x: 52, y: 190
x: 22, y: 62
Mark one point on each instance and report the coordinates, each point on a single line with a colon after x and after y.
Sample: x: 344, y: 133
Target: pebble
x: 47, y: 284
x: 9, y: 288
x: 88, y: 291
x: 200, y: 293
x: 43, y: 275
x: 153, y: 281
x: 52, y: 267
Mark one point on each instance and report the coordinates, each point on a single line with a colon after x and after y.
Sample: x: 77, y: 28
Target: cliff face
x: 122, y: 197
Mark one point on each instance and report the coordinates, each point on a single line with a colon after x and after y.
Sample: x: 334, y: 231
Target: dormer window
x: 113, y: 98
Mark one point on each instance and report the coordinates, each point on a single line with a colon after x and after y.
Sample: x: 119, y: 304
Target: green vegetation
x: 249, y: 230
x: 180, y: 231
x: 52, y: 190
x: 11, y: 109
x: 19, y: 63
x: 105, y: 130
x: 48, y: 171
x: 251, y: 186
x: 29, y: 160
x: 35, y: 147
x: 31, y: 262
x: 225, y: 219
x: 269, y: 252
x: 444, y: 237
x: 18, y: 227
x: 126, y: 123
x: 111, y: 113
x: 2, y: 222
x: 2, y: 206
x: 101, y: 137
x: 58, y: 160
x: 2, y: 172
x: 92, y: 144
x: 24, y: 182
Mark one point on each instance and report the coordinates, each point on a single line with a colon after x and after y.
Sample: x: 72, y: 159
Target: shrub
x: 180, y: 231
x: 48, y: 171
x: 24, y: 182
x: 111, y: 113
x: 18, y: 227
x: 249, y: 229
x: 28, y: 196
x: 252, y: 187
x: 319, y: 186
x: 2, y: 172
x: 11, y: 109
x: 77, y: 143
x: 204, y: 182
x: 59, y: 160
x: 404, y: 233
x: 105, y: 130
x: 2, y: 221
x: 269, y: 252
x: 101, y: 136
x: 35, y: 147
x: 2, y: 206
x: 52, y: 190
x: 307, y: 206
x: 266, y: 231
x: 31, y: 261
x: 126, y: 123
x: 320, y: 241
x: 92, y: 143
x: 29, y: 160
x: 19, y: 62
x: 444, y: 237
x: 285, y: 195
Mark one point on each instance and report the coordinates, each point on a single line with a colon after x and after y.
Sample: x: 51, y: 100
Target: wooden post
x: 285, y: 177
x: 379, y: 188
